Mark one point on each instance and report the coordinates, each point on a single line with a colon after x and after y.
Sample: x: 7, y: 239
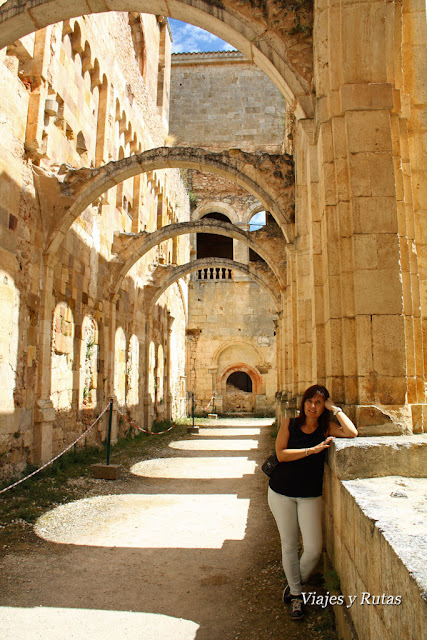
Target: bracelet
x: 337, y: 410
x: 306, y: 452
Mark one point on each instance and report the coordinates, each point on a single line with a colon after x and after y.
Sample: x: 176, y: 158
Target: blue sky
x: 187, y: 38
x: 257, y: 221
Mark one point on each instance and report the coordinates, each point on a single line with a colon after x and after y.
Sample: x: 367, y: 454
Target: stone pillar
x: 44, y: 413
x: 370, y: 291
x: 110, y: 364
x: 218, y: 397
x: 241, y: 254
x: 412, y: 129
x: 167, y: 390
x: 148, y: 400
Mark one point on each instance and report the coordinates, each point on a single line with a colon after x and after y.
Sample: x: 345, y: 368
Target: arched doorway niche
x: 240, y: 385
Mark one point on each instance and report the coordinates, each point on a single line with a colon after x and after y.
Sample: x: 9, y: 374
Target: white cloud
x: 190, y: 39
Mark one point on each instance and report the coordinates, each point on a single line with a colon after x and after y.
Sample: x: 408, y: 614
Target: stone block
x: 360, y: 177
x: 106, y: 471
x: 388, y: 333
x: 374, y: 457
x: 374, y: 215
x: 368, y: 131
x: 378, y: 292
x: 365, y: 251
x: 362, y: 96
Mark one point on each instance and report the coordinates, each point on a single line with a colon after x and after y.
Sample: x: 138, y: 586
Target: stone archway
x: 168, y: 275
x: 285, y: 54
x: 270, y: 178
x: 129, y: 249
x: 235, y: 398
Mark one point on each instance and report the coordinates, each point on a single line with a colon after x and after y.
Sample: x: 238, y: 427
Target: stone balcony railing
x: 214, y: 273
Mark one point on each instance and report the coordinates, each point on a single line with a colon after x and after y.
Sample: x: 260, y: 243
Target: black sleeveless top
x: 301, y: 478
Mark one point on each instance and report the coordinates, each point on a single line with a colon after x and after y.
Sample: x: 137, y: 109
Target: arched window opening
x: 120, y: 366
x: 132, y: 372
x: 160, y: 376
x: 240, y: 381
x: 88, y: 360
x: 257, y: 221
x: 62, y: 357
x: 210, y: 245
x: 151, y: 370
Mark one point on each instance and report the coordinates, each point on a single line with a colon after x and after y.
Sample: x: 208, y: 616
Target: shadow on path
x: 182, y: 548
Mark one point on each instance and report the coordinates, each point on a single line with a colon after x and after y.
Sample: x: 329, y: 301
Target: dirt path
x: 185, y: 550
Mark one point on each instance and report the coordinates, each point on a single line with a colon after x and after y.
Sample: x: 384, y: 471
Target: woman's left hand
x: 329, y: 404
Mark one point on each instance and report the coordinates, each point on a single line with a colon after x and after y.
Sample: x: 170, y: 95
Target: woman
x: 295, y: 491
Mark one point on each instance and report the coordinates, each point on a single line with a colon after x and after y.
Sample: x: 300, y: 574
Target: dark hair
x: 314, y: 390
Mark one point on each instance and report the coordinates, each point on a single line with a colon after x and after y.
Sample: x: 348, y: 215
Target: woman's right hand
x: 322, y: 445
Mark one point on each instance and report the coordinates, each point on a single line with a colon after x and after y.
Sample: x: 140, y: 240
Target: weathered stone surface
x: 372, y: 457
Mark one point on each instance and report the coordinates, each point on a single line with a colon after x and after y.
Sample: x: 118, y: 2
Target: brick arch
x: 135, y: 247
x: 255, y: 376
x: 285, y: 56
x: 270, y: 178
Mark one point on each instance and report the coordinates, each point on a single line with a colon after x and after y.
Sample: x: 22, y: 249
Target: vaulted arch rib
x: 253, y: 32
x: 176, y: 273
x: 137, y: 246
x: 270, y: 178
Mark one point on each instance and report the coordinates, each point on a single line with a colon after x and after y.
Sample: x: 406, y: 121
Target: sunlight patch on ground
x: 147, y: 521
x: 43, y: 623
x: 200, y: 468
x: 227, y: 431
x: 214, y: 445
x: 236, y: 422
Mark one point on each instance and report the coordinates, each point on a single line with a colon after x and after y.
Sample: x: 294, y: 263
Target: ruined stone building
x: 128, y: 182
x: 219, y: 101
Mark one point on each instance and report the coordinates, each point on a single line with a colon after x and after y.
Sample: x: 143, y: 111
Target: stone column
x: 412, y: 129
x: 218, y: 397
x: 167, y: 386
x: 148, y: 401
x: 110, y: 365
x: 241, y: 254
x: 44, y: 413
x: 369, y: 298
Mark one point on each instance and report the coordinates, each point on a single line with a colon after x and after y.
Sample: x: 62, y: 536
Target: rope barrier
x: 59, y: 454
x: 210, y: 402
x: 151, y: 433
x: 131, y: 422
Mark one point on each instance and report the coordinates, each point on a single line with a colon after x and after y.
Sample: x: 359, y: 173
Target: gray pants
x: 290, y: 513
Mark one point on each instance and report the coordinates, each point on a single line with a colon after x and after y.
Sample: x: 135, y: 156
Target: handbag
x: 270, y: 464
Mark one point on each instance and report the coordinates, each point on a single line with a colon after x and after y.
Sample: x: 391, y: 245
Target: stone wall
x: 79, y: 94
x: 231, y: 328
x: 222, y: 100
x: 232, y: 321
x: 375, y: 535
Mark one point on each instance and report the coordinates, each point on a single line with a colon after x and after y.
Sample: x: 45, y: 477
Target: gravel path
x: 182, y: 547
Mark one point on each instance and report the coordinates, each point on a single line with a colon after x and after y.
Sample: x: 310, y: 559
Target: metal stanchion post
x: 193, y: 428
x: 192, y: 407
x: 110, y: 422
x: 107, y: 471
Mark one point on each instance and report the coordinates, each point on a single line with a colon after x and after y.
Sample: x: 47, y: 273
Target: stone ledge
x: 396, y: 506
x: 374, y: 457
